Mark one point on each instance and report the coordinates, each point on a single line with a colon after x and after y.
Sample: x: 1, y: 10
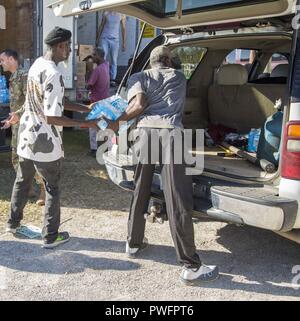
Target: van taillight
x: 290, y: 160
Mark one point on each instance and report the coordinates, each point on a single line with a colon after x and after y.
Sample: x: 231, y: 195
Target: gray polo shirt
x: 165, y: 89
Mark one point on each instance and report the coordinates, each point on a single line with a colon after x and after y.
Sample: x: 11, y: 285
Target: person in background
x: 9, y: 60
x: 98, y: 84
x: 40, y: 146
x: 108, y: 38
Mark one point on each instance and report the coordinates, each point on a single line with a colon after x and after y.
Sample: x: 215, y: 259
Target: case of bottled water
x: 4, y: 92
x: 110, y: 108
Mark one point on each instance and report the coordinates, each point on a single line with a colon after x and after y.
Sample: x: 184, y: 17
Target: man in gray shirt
x: 157, y: 98
x: 165, y: 90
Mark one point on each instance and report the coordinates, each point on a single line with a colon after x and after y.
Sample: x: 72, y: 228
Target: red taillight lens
x: 290, y: 159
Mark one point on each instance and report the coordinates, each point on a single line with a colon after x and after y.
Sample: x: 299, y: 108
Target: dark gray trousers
x: 178, y: 192
x: 51, y: 173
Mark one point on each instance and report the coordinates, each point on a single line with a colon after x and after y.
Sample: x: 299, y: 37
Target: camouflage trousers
x: 15, y: 156
x: 14, y: 136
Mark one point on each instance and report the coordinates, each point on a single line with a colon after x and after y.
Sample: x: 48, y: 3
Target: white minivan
x: 241, y: 58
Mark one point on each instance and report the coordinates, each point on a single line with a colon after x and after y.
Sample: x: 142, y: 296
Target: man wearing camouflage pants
x: 9, y: 60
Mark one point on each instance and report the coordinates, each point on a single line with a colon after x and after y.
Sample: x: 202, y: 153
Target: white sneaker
x: 205, y: 273
x: 133, y: 251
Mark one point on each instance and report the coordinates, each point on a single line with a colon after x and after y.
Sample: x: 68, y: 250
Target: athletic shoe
x: 205, y: 273
x: 62, y: 237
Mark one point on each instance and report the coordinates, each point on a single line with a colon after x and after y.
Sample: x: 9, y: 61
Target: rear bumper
x: 256, y: 206
x: 252, y: 205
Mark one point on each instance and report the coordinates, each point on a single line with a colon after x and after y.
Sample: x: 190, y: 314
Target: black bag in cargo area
x: 269, y: 142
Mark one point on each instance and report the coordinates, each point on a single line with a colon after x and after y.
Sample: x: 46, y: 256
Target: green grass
x: 76, y: 141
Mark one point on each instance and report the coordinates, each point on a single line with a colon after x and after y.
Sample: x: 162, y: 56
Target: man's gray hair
x: 100, y: 52
x: 159, y: 55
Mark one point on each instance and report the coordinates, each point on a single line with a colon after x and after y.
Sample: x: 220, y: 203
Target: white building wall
x: 86, y: 32
x: 50, y: 21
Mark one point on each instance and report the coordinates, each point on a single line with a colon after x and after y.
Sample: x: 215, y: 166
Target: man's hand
x: 113, y: 125
x: 11, y: 120
x: 77, y: 107
x: 90, y: 107
x: 123, y: 28
x: 90, y: 124
x: 6, y: 124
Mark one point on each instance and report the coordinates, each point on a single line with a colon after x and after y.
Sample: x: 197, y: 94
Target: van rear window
x: 187, y: 58
x: 163, y: 8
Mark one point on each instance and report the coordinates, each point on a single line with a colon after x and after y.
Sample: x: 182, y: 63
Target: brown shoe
x: 42, y: 197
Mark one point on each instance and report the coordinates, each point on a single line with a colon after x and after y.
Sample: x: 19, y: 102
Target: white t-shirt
x: 39, y: 141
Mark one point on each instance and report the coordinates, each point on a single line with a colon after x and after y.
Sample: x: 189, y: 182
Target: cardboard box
x: 80, y: 68
x: 85, y: 51
x: 80, y: 82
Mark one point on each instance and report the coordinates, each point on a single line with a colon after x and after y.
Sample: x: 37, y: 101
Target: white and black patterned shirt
x: 39, y: 141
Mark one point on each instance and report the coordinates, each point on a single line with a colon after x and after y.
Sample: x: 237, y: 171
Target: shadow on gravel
x: 256, y: 261
x: 25, y: 256
x: 29, y: 257
x: 262, y: 260
x: 157, y: 253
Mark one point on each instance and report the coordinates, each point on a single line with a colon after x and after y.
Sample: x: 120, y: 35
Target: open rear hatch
x: 171, y: 14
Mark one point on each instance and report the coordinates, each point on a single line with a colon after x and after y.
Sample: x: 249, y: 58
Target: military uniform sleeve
x: 20, y: 111
x: 24, y: 83
x: 53, y: 99
x: 135, y: 86
x: 24, y: 78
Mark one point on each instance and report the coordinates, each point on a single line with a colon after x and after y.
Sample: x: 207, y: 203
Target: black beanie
x: 57, y: 35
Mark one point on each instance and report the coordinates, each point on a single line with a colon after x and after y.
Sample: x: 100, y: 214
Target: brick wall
x: 18, y: 34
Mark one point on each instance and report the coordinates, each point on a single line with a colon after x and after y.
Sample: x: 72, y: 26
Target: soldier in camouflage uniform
x: 17, y: 88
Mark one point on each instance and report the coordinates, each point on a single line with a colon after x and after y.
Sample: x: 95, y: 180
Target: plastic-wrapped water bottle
x: 4, y: 96
x: 111, y: 108
x: 102, y: 124
x: 2, y: 83
x: 253, y: 140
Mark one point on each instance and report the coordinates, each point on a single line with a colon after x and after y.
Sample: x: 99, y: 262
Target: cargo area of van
x: 232, y: 97
x: 229, y: 96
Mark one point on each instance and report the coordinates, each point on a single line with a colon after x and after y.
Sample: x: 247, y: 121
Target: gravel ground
x: 254, y: 264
